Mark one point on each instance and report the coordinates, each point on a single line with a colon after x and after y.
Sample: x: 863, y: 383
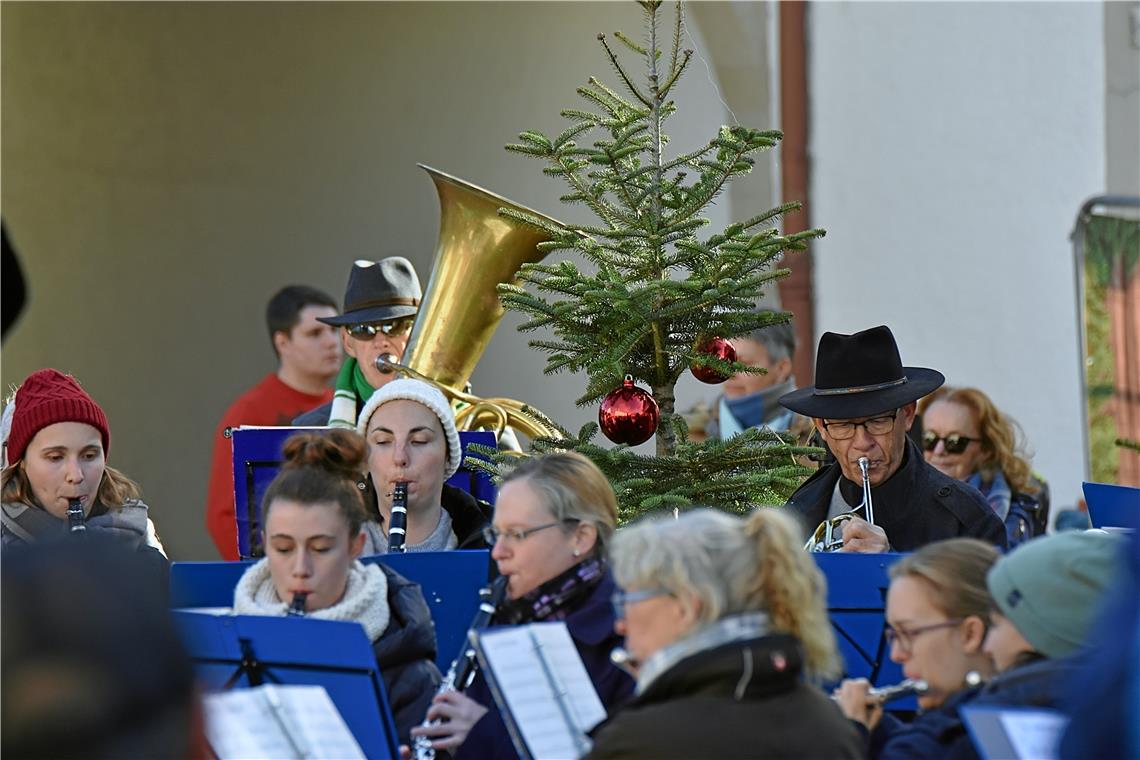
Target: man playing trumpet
x: 863, y: 403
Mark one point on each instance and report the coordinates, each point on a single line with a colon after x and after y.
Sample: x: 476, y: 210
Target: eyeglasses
x: 517, y: 535
x: 843, y: 429
x: 904, y: 637
x: 393, y: 328
x: 953, y: 443
x: 621, y: 599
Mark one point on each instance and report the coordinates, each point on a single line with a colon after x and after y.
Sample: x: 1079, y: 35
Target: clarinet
x: 398, y: 522
x: 462, y: 669
x: 76, y: 520
x: 297, y: 608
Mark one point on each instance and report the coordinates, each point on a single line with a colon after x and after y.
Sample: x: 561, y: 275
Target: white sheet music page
x: 271, y: 721
x: 1036, y: 734
x: 517, y: 656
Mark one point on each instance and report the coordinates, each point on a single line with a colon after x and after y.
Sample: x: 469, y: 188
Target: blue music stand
x: 856, y: 603
x: 257, y: 458
x: 244, y: 651
x: 1112, y: 506
x: 450, y: 582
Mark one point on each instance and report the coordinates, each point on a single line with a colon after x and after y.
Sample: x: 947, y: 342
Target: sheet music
x: 1034, y: 735
x: 278, y: 722
x: 520, y: 658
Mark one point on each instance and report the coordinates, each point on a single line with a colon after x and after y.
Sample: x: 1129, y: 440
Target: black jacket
x: 916, y: 506
x: 319, y: 417
x: 405, y: 653
x: 744, y: 699
x: 468, y: 517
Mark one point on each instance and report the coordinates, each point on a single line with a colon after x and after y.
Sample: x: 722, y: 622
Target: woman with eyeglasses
x: 554, y: 518
x: 313, y: 515
x: 411, y: 435
x: 724, y: 619
x: 968, y: 438
x: 938, y: 612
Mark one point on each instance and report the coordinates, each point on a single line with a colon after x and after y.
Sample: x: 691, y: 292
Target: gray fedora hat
x: 379, y: 291
x: 860, y: 375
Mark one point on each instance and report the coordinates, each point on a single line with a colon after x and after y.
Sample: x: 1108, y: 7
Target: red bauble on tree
x: 721, y: 349
x: 628, y: 414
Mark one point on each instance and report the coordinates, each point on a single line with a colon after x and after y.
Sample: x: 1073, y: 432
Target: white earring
x: 577, y: 553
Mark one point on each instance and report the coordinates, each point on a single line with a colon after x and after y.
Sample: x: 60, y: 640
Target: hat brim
x: 919, y: 382
x: 365, y: 316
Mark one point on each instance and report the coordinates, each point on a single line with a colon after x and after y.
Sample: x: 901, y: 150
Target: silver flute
x: 462, y: 670
x: 884, y: 694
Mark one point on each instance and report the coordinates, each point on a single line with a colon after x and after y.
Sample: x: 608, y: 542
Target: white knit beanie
x: 422, y: 393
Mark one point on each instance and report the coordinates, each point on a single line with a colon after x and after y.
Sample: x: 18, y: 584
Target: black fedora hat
x: 379, y: 291
x: 860, y: 375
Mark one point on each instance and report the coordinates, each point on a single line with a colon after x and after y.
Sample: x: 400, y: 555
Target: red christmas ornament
x: 628, y: 414
x: 721, y: 349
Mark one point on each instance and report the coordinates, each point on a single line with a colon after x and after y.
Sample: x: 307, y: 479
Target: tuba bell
x: 477, y: 251
x: 828, y: 535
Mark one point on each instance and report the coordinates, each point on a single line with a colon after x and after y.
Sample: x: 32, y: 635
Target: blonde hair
x: 573, y: 489
x: 734, y: 565
x: 115, y: 489
x: 1002, y: 440
x: 954, y: 574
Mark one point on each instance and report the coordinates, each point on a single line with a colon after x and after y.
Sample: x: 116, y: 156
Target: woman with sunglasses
x: 554, y: 518
x: 967, y: 437
x: 724, y: 619
x: 410, y: 429
x: 312, y: 515
x: 938, y: 611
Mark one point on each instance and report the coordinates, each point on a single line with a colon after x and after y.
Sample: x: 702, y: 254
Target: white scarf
x: 365, y: 599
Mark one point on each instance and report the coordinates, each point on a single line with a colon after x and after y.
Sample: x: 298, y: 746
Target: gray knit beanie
x: 427, y: 395
x: 1051, y: 587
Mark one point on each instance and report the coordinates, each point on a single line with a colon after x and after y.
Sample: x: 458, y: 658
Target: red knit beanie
x: 48, y: 396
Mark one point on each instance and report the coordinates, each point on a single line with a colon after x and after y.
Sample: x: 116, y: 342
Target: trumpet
x: 828, y: 535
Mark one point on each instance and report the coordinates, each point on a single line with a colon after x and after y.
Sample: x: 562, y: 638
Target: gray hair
x: 733, y: 565
x: 778, y: 340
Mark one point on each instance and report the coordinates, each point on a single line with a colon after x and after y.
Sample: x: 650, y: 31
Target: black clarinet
x: 462, y: 669
x: 297, y: 608
x: 398, y: 521
x: 76, y: 520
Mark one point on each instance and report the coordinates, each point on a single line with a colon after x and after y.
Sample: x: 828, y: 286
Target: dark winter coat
x: 406, y: 653
x: 319, y: 417
x: 916, y: 506
x: 940, y: 734
x: 743, y: 699
x: 591, y: 627
x: 468, y: 517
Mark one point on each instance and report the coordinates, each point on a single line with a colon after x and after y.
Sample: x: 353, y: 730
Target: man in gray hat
x: 380, y: 306
x: 863, y: 404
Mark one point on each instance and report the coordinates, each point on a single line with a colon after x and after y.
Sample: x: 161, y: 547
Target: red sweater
x: 270, y: 402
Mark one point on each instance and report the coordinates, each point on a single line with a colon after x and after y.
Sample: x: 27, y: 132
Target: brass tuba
x: 478, y: 249
x: 828, y: 535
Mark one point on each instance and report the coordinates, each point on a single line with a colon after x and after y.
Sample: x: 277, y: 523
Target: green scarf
x: 351, y: 385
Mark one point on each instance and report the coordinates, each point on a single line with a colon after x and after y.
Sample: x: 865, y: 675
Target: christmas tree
x: 661, y: 293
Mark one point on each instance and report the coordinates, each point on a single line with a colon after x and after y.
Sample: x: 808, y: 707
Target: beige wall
x: 166, y: 167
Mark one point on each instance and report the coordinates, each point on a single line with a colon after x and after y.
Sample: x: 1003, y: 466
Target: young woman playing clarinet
x: 312, y: 513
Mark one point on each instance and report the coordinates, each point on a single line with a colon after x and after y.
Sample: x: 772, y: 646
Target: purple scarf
x: 558, y: 597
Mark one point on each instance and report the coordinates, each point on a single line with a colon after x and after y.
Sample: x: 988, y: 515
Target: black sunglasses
x: 953, y: 443
x: 394, y: 328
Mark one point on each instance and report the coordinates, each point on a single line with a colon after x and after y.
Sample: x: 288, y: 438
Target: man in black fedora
x: 380, y: 306
x: 863, y: 403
